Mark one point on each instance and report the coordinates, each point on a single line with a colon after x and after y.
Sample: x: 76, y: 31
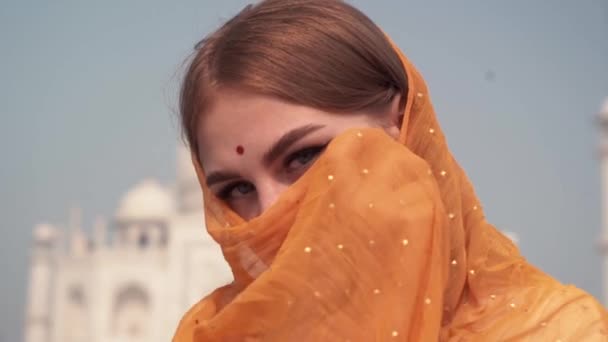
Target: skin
x: 280, y: 142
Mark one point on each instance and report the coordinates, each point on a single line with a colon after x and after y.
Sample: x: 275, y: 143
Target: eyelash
x: 227, y: 190
x: 292, y: 157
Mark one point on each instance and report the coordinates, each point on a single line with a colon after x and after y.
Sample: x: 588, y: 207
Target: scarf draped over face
x: 382, y: 240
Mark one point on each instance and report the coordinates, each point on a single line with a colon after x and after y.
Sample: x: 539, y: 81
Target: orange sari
x: 382, y: 240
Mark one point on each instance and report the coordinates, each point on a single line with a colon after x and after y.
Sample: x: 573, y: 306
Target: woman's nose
x: 268, y: 193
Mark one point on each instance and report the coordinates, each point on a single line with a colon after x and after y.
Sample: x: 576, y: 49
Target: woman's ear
x: 394, y: 116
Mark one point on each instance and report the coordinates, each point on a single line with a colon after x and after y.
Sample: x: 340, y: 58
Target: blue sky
x: 88, y: 101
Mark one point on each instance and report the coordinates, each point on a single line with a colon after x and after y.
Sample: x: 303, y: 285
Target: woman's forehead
x: 239, y: 130
x: 242, y: 126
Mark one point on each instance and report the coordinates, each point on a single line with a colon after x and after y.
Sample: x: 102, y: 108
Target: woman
x: 329, y: 185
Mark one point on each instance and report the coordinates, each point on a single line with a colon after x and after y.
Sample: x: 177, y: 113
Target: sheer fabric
x: 382, y: 240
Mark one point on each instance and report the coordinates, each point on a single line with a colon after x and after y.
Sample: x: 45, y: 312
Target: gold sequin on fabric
x: 431, y: 130
x: 317, y: 294
x: 405, y: 242
x: 307, y: 249
x: 427, y: 300
x: 359, y: 134
x: 371, y: 205
x: 492, y: 297
x: 376, y: 291
x: 332, y: 205
x: 330, y: 177
x: 443, y: 173
x: 372, y: 242
x: 472, y: 272
x: 451, y: 216
x: 420, y: 95
x: 340, y: 246
x: 365, y: 171
x: 454, y: 262
x: 475, y: 207
x: 394, y: 333
x: 512, y: 305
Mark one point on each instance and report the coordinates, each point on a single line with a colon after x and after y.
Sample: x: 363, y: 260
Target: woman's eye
x: 303, y: 158
x: 236, y: 190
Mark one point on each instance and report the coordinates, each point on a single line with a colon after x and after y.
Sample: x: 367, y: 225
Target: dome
x: 45, y: 233
x: 146, y: 201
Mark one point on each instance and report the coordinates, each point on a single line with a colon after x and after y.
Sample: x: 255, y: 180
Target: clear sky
x: 87, y: 101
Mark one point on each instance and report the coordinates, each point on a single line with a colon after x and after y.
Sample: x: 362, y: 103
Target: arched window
x: 76, y: 315
x: 131, y: 316
x: 144, y: 240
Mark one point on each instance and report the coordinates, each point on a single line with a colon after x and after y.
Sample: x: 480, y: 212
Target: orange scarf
x: 382, y: 240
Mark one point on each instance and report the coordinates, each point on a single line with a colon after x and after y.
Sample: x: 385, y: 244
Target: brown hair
x: 319, y: 53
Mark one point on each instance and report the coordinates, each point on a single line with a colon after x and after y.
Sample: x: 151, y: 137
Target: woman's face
x: 253, y: 147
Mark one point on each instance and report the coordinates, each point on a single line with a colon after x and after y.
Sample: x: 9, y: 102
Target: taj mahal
x: 133, y: 279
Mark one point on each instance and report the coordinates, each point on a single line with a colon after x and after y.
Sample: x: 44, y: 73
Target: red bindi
x: 240, y: 150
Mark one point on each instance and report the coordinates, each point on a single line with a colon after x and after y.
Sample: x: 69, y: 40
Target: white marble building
x: 132, y: 281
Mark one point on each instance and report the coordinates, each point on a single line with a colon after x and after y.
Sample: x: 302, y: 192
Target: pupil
x: 306, y: 156
x: 243, y: 188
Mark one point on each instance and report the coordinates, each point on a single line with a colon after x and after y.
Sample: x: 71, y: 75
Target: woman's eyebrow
x: 220, y: 176
x: 288, y: 139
